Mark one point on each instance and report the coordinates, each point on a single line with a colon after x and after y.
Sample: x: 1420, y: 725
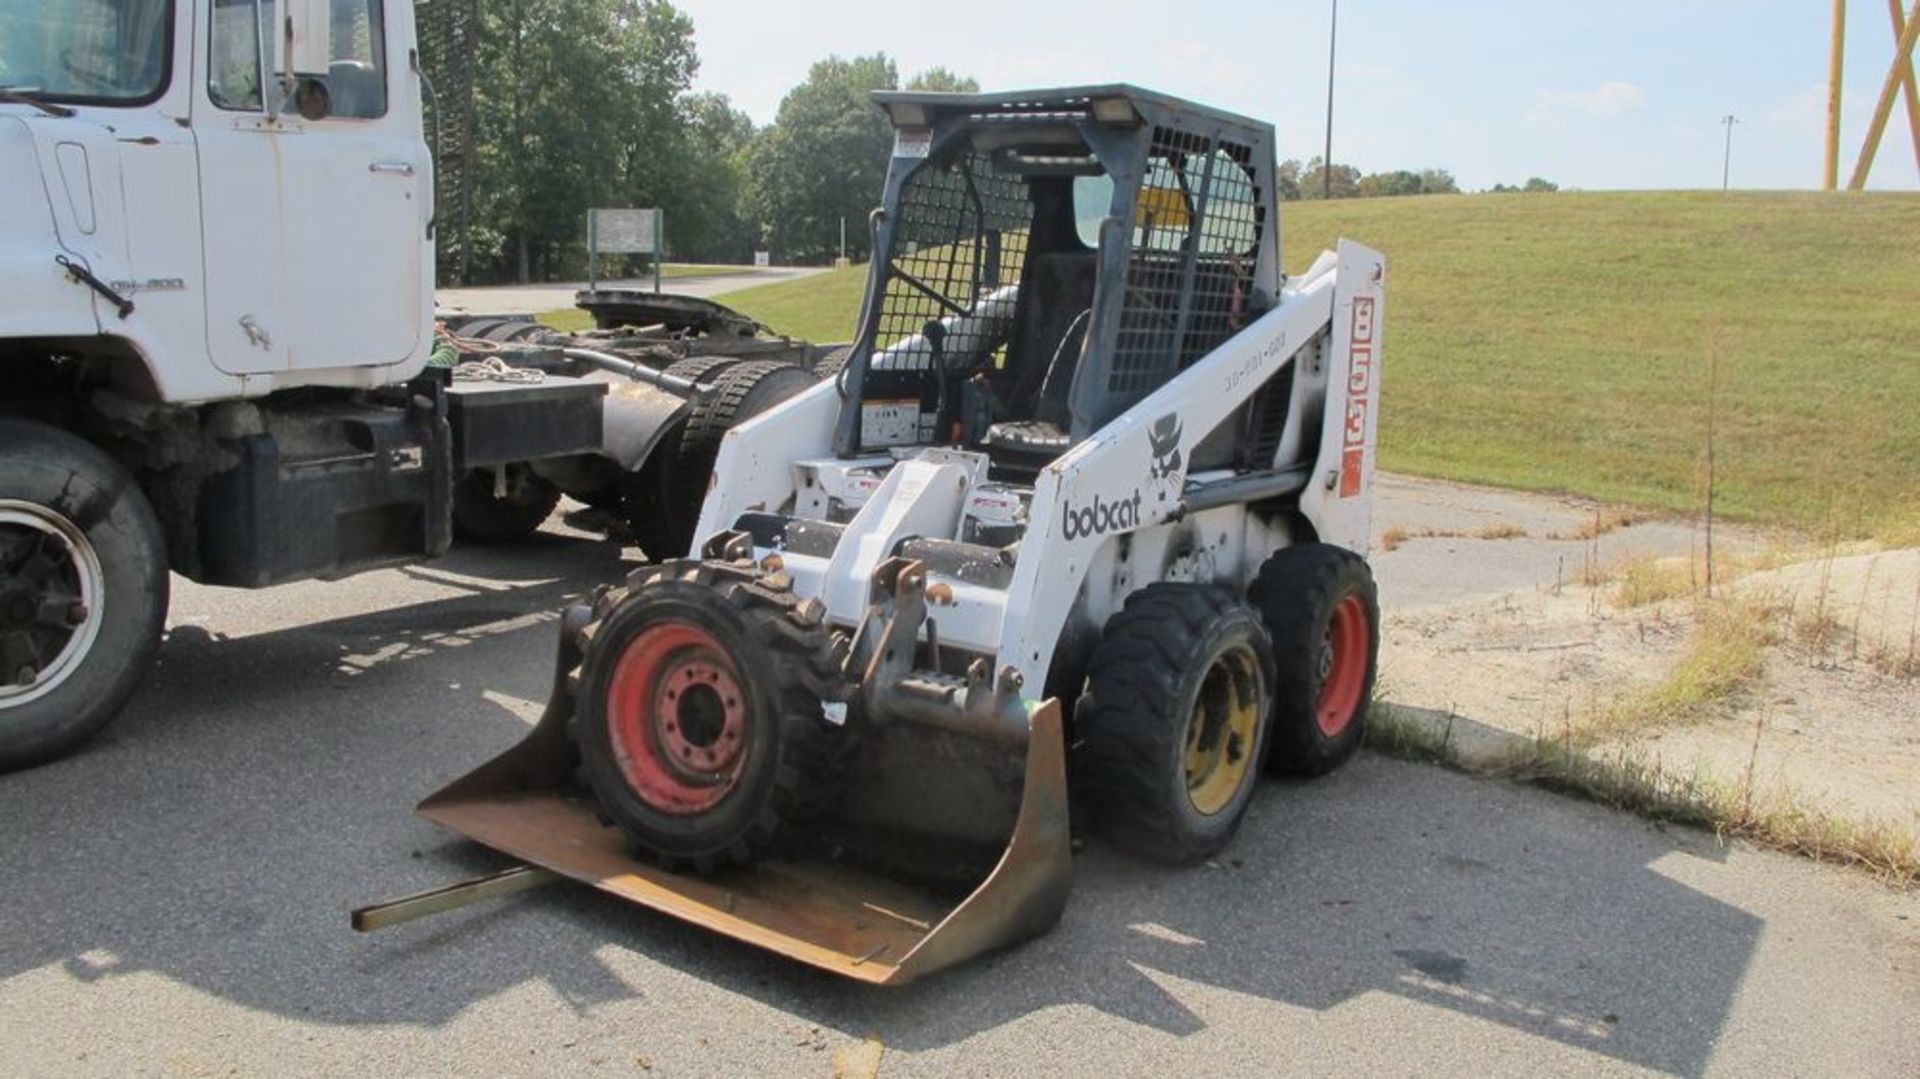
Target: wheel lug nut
x: 25, y: 675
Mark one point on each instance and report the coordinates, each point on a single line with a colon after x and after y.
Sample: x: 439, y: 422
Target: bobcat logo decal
x: 1164, y: 438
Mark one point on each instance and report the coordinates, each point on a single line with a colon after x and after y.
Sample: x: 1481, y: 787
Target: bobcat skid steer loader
x: 1088, y: 501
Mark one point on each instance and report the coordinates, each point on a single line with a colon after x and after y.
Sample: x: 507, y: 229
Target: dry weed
x: 1393, y: 538
x: 1602, y: 523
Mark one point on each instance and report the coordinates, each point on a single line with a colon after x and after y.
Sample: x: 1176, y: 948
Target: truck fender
x: 636, y: 417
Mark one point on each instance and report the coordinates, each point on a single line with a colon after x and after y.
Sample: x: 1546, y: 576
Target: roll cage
x: 1046, y: 260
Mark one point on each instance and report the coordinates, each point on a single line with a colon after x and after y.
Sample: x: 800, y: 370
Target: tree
x: 825, y: 158
x: 1287, y: 178
x: 712, y: 221
x: 1535, y: 183
x: 1383, y: 184
x: 542, y: 157
x: 1313, y: 181
x: 940, y: 80
x: 1438, y: 182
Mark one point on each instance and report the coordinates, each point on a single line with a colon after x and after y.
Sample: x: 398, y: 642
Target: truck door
x: 315, y: 187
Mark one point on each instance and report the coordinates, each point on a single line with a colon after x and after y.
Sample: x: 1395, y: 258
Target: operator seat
x: 1020, y: 447
x: 1048, y: 336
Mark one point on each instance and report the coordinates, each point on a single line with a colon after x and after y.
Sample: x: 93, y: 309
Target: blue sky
x: 1620, y: 94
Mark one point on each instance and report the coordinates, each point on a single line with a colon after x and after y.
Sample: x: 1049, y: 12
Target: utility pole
x: 1326, y: 161
x: 1726, y: 163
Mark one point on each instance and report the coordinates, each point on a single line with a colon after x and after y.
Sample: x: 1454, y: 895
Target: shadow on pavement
x: 262, y: 787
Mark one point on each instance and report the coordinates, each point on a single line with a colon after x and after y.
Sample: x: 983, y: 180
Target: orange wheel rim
x: 1343, y: 666
x: 677, y: 718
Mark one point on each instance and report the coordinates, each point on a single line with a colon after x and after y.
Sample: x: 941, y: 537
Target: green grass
x: 694, y: 269
x: 566, y: 320
x: 821, y: 308
x: 1562, y: 343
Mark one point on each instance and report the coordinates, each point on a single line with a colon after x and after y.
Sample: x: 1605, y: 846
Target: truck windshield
x: 107, y: 52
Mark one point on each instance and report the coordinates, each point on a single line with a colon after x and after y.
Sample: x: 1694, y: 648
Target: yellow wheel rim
x: 1222, y: 731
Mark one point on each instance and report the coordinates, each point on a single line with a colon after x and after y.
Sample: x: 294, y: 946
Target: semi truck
x: 217, y: 342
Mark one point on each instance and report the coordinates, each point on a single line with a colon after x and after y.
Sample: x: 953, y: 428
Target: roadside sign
x: 624, y: 232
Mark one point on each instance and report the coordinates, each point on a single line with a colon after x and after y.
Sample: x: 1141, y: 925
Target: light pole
x: 1326, y: 160
x: 1726, y: 163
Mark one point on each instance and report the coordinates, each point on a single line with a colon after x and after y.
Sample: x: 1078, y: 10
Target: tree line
x: 584, y: 103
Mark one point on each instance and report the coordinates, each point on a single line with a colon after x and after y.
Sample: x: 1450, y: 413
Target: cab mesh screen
x: 961, y: 236
x: 1195, y: 237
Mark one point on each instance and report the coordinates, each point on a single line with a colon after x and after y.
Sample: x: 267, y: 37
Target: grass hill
x: 1569, y: 342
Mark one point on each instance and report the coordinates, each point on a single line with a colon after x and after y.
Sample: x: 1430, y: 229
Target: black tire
x: 477, y: 329
x: 643, y: 501
x: 1301, y: 591
x: 701, y: 368
x: 58, y: 490
x: 653, y: 496
x: 765, y: 645
x: 482, y: 516
x: 834, y: 362
x: 506, y: 330
x: 1174, y: 652
x: 739, y: 393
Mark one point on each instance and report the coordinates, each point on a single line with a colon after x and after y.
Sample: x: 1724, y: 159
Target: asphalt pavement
x: 176, y: 903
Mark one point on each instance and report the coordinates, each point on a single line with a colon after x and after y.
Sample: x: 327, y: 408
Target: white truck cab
x: 236, y: 193
x: 217, y: 336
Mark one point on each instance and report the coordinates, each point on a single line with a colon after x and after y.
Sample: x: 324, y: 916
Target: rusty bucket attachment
x: 843, y: 912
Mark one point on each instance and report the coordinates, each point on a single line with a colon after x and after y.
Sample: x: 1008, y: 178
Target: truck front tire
x: 83, y: 591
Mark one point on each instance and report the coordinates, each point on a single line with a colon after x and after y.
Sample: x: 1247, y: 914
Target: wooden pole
x: 1913, y: 95
x: 1836, y: 67
x: 1882, y: 109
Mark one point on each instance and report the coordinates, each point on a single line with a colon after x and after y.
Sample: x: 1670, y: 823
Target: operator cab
x: 1043, y: 262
